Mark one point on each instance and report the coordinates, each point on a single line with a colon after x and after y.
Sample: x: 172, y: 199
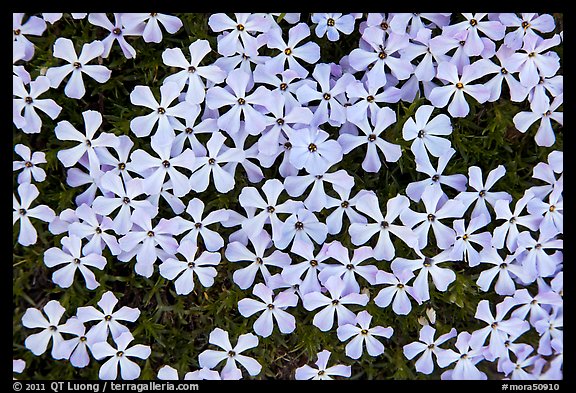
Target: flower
x: 384, y: 117
x: 29, y: 164
x: 143, y: 240
x: 471, y: 27
x: 363, y: 335
x: 185, y: 270
x: 527, y: 25
x: 33, y: 26
x: 462, y: 249
x: 466, y: 359
x: 329, y: 109
x: 64, y: 49
x: 317, y: 198
x: 336, y: 303
x: 532, y: 62
x: 149, y: 24
x: 396, y: 292
x: 368, y: 99
x: 125, y: 200
x: 502, y: 268
x: 515, y: 370
x: 211, y: 358
x: 157, y: 168
x: 497, y: 329
x: 534, y: 305
x: 311, y: 266
x: 536, y: 259
x: 332, y: 24
x: 458, y: 85
x: 272, y: 309
x: 550, y: 330
x: 428, y: 346
x: 210, y: 165
x: 38, y: 343
x: 343, y: 205
x: 77, y: 347
x: 192, y: 73
x: 302, y: 226
x: 28, y: 102
x: 162, y: 113
x: 552, y: 211
x: 117, y: 33
x: 545, y: 111
x: 191, y: 129
x: 18, y: 365
x: 428, y: 266
x: 322, y: 372
x: 312, y: 150
x: 88, y: 146
x: 238, y: 252
x: 198, y: 226
x: 423, y: 131
x: 457, y: 181
x: 240, y: 103
x: 436, y: 210
x: 108, y: 319
x: 250, y: 198
x: 508, y: 231
x: 242, y: 30
x: 119, y: 357
x: 94, y: 229
x: 309, y: 52
x: 71, y: 255
x: 22, y: 213
x: 483, y: 193
x: 347, y: 268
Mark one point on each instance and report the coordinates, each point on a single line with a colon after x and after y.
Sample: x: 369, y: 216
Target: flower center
x: 188, y: 130
x: 370, y: 98
x: 372, y: 137
x: 364, y: 332
x: 121, y: 166
x: 421, y: 134
x: 313, y: 263
x: 350, y: 266
x: 191, y: 265
x: 503, y: 71
x: 240, y: 27
x: 116, y: 31
x: 459, y: 85
x: 431, y: 346
x: 270, y: 306
x: 161, y: 110
x: 22, y: 212
x: 482, y: 193
x: 548, y: 113
x: 241, y: 101
x: 503, y: 265
x: 531, y: 54
x: 463, y: 356
x: 534, y: 302
x: 335, y: 302
x: 330, y: 22
x: 321, y: 372
x: 83, y: 338
x: 126, y: 200
x: 283, y: 86
x: 384, y: 25
x: 259, y: 260
x: 120, y: 354
x: 53, y: 328
x: 427, y: 262
x: 287, y: 146
x: 461, y: 43
x: 28, y: 164
x: 287, y: 51
x: 327, y: 96
x: 319, y: 177
x: 538, y: 246
x: 512, y: 220
x: 473, y: 22
x: 435, y: 177
x: 299, y: 225
x: 312, y: 148
x: 150, y: 234
x: 384, y: 224
x: 198, y: 225
x: 166, y: 164
x: 465, y: 237
x: 400, y: 285
x: 98, y: 230
x: 345, y: 204
x: 191, y: 69
x: 431, y: 217
x: 525, y: 25
x: 108, y: 317
x: 382, y: 55
x: 17, y: 32
x: 211, y: 161
x: 88, y: 142
x: 552, y: 208
x: 280, y: 121
x: 153, y: 14
x: 77, y: 65
x: 28, y: 100
x: 494, y: 325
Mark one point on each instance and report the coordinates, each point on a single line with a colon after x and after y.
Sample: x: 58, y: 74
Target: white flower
x: 323, y: 371
x: 363, y: 335
x: 119, y: 357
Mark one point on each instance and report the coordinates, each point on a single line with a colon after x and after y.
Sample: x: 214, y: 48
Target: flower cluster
x: 253, y: 111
